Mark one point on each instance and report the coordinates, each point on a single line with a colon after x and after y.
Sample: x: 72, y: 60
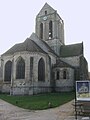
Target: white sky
x: 17, y: 21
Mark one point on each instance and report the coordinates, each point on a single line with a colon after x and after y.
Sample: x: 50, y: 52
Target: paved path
x: 11, y: 112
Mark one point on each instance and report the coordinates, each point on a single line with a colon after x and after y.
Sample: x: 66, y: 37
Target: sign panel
x: 83, y: 90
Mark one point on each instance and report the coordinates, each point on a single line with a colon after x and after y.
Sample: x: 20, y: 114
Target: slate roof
x: 71, y: 50
x: 43, y: 45
x: 31, y: 44
x: 27, y: 45
x: 60, y: 63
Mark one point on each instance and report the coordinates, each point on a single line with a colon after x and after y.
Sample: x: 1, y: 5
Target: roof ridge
x: 35, y: 38
x: 72, y: 44
x: 62, y: 63
x: 38, y: 46
x: 25, y: 46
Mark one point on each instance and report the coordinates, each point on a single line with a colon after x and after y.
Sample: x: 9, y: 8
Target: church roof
x: 32, y: 44
x: 71, y: 50
x: 60, y: 63
x: 27, y: 45
x: 43, y: 45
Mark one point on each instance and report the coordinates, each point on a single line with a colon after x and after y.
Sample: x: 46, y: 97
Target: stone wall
x: 83, y: 68
x: 55, y: 45
x: 25, y: 86
x: 6, y: 88
x: 64, y: 84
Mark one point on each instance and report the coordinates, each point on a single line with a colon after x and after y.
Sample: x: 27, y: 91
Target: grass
x: 39, y: 102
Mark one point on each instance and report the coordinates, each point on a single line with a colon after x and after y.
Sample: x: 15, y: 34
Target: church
x: 43, y: 63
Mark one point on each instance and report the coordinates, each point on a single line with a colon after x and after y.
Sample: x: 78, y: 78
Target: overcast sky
x: 17, y: 21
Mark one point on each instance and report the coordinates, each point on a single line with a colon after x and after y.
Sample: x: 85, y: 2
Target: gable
x: 47, y: 8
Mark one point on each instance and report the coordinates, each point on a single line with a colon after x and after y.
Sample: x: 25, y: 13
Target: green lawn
x: 39, y: 102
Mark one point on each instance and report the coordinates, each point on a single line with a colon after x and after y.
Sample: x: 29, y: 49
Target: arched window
x: 41, y: 30
x: 31, y: 67
x: 20, y: 69
x: 64, y: 74
x: 8, y: 69
x: 57, y: 75
x: 50, y: 30
x: 45, y: 12
x: 41, y: 70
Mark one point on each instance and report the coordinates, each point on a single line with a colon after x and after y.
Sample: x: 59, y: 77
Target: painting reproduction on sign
x: 83, y: 90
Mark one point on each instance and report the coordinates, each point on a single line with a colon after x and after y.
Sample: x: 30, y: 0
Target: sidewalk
x: 11, y: 112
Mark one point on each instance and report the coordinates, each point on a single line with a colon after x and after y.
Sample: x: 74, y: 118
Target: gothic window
x: 41, y: 30
x: 50, y: 66
x: 50, y: 30
x: 20, y: 69
x: 64, y: 74
x: 31, y: 67
x: 41, y: 70
x: 8, y: 68
x: 57, y: 75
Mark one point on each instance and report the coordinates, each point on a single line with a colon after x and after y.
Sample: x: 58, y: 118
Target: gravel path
x: 11, y: 112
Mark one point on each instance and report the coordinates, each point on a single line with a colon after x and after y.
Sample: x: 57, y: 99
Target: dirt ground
x: 11, y: 112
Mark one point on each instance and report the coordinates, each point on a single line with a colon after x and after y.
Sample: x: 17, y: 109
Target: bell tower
x: 50, y: 27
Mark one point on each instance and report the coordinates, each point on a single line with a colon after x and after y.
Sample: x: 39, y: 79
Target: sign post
x: 82, y: 93
x: 75, y: 104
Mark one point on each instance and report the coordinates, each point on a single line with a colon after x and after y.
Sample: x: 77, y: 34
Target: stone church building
x: 43, y: 63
